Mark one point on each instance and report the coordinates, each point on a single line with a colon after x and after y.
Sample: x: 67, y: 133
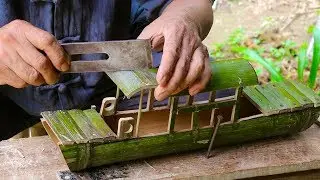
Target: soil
x: 261, y: 15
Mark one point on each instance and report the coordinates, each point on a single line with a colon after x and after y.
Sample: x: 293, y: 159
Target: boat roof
x: 225, y: 74
x: 287, y: 96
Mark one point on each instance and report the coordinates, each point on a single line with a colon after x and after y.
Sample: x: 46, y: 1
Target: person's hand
x: 29, y: 56
x: 185, y: 60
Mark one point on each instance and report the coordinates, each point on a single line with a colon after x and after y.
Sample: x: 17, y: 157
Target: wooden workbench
x: 39, y: 158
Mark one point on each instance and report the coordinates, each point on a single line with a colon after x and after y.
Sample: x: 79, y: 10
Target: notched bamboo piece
x: 126, y: 128
x: 108, y: 106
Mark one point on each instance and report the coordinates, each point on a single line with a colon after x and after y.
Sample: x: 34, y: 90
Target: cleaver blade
x: 122, y: 55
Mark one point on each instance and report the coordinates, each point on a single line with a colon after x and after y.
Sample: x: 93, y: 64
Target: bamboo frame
x: 87, y: 141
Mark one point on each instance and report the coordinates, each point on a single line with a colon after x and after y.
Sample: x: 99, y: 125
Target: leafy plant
x: 302, y: 61
x: 270, y: 56
x: 315, y: 58
x: 236, y: 37
x: 252, y: 55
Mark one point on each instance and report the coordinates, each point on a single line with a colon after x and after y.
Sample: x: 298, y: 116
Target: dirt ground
x: 291, y: 17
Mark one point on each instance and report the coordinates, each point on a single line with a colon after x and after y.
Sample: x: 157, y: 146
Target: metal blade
x: 123, y: 55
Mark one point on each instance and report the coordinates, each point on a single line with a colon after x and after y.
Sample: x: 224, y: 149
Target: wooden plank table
x: 39, y: 158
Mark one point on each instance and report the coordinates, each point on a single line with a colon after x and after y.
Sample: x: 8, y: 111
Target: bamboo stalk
x: 189, y: 100
x: 212, y: 98
x: 215, y: 130
x: 195, y: 120
x: 117, y: 98
x: 173, y: 113
x: 236, y: 107
x: 139, y: 114
x: 150, y: 100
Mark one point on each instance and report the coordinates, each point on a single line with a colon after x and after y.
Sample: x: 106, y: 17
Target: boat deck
x: 288, y: 96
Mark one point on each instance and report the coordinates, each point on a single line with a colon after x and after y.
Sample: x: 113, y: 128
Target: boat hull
x: 84, y: 155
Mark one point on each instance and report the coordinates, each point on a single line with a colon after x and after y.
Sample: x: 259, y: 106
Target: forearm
x: 198, y: 12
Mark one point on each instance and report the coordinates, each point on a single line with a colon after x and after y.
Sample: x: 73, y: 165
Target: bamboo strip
x: 208, y: 106
x: 99, y: 124
x: 286, y: 101
x: 55, y: 124
x: 298, y: 95
x: 173, y: 113
x: 212, y: 98
x: 215, y: 130
x: 286, y: 94
x: 307, y: 92
x: 236, y: 107
x: 150, y: 100
x: 189, y: 100
x: 71, y: 126
x: 195, y: 120
x: 139, y: 115
x: 271, y: 98
x: 85, y: 124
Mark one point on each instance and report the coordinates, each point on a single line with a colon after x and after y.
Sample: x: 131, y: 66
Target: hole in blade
x: 90, y: 57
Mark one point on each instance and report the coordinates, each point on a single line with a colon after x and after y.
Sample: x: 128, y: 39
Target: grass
x: 276, y: 59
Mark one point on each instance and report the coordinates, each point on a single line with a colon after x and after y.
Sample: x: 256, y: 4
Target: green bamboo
x: 225, y: 74
x: 287, y: 107
x: 99, y: 124
x: 228, y: 134
x: 284, y: 96
x: 252, y: 55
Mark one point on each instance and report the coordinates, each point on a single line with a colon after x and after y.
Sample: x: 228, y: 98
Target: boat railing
x: 128, y: 127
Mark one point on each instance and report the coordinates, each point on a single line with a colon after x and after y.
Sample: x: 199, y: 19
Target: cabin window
x: 183, y: 121
x: 205, y: 118
x: 201, y: 98
x: 154, y: 122
x: 185, y: 100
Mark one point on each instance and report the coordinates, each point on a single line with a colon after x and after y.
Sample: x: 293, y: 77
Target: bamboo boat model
x: 88, y: 138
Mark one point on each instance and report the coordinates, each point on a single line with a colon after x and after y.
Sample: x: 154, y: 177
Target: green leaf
x: 289, y: 44
x: 315, y: 58
x: 277, y: 53
x: 302, y: 60
x: 259, y: 71
x: 310, y: 29
x: 252, y: 55
x: 236, y: 37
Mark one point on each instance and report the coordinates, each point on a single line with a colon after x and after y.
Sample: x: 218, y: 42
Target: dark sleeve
x: 7, y: 11
x: 143, y: 12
